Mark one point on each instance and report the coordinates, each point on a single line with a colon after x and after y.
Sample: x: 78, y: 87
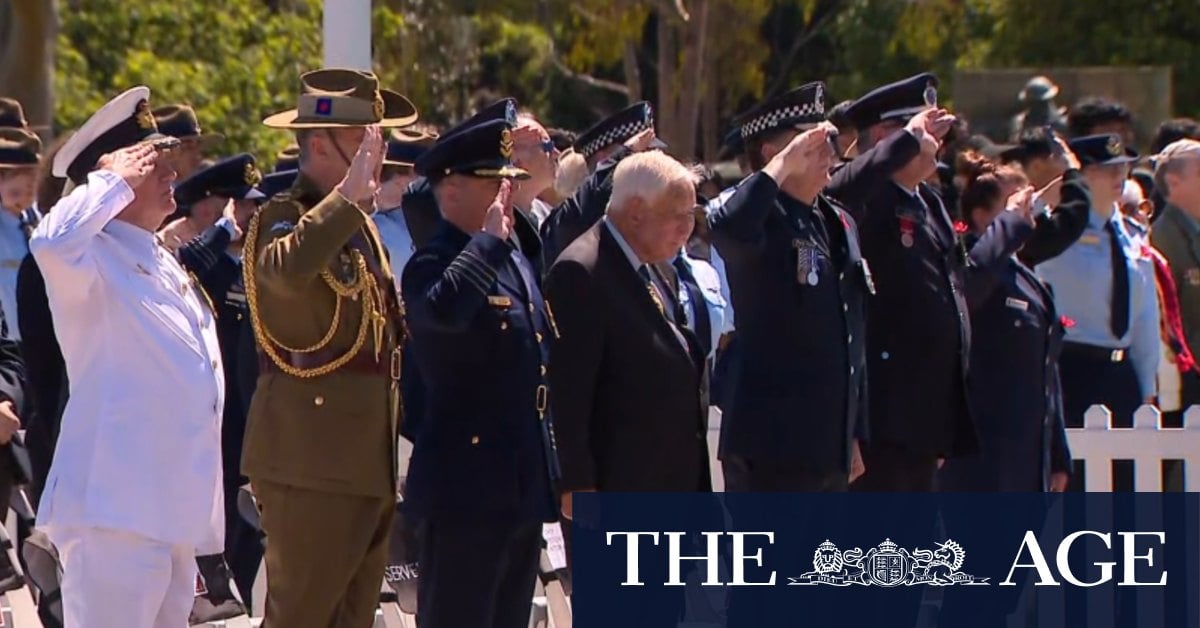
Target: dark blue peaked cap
x: 277, y: 182
x: 504, y: 109
x: 1099, y: 150
x: 234, y: 177
x: 617, y: 129
x: 479, y: 150
x: 895, y: 101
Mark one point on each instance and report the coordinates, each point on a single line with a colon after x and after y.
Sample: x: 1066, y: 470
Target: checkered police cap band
x: 616, y: 135
x: 806, y: 113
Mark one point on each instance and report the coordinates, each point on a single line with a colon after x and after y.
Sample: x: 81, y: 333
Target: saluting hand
x: 641, y: 142
x: 802, y: 153
x: 1069, y: 160
x: 361, y: 182
x: 132, y: 163
x: 9, y: 422
x: 499, y: 218
x: 1021, y: 202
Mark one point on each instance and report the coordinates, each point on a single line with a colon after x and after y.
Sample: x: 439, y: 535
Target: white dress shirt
x: 140, y: 447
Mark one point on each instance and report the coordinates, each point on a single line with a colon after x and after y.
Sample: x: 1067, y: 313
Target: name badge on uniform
x: 1017, y: 304
x: 500, y: 301
x: 807, y: 263
x: 1089, y: 238
x: 1192, y: 275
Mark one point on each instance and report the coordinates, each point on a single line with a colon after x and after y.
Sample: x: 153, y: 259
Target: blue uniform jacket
x: 798, y: 393
x: 918, y: 330
x: 1015, y: 394
x: 483, y: 441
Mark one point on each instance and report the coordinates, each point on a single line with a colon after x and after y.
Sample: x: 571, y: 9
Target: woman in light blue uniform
x: 1104, y: 289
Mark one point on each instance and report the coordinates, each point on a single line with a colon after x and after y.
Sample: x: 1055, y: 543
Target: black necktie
x: 703, y: 326
x: 1119, y: 311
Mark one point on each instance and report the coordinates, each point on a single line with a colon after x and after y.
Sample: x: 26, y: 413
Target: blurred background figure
x: 1038, y: 108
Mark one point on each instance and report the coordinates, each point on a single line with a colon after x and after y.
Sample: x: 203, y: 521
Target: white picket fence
x: 1147, y: 444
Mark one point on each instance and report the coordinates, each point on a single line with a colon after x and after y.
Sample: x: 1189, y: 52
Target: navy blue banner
x: 896, y: 560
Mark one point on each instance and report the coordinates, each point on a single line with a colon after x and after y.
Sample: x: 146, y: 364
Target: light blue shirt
x: 393, y: 230
x: 1082, y: 281
x: 710, y: 286
x: 718, y: 263
x: 13, y: 248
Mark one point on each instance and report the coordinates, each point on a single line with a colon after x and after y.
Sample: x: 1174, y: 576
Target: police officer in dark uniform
x: 220, y: 273
x: 598, y: 150
x: 918, y: 333
x: 796, y: 410
x: 481, y: 478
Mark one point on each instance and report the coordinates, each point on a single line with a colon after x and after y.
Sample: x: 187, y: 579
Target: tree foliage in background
x: 235, y: 61
x: 575, y: 61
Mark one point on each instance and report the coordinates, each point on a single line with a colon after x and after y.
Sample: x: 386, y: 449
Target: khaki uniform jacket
x: 334, y: 432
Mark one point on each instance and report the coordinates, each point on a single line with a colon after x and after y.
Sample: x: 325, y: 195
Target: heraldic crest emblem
x: 888, y: 565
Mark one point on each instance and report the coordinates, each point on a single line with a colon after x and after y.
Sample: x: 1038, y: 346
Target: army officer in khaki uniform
x: 320, y: 447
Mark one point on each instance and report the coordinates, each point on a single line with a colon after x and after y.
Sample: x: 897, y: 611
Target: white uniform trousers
x: 117, y: 579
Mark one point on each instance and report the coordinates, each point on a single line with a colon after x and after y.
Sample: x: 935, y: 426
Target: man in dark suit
x: 625, y: 370
x: 918, y: 334
x: 796, y: 414
x: 481, y: 479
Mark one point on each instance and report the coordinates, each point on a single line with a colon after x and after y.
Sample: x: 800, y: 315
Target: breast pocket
x: 169, y: 317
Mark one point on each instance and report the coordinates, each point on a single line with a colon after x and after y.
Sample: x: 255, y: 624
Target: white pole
x: 347, y: 31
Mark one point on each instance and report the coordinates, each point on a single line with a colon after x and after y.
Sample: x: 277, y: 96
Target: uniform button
x: 845, y: 307
x: 885, y: 355
x: 318, y: 400
x: 474, y: 440
x: 852, y: 370
x: 531, y: 308
x: 538, y: 336
x: 503, y: 325
x: 213, y: 364
x: 841, y: 276
x: 849, y: 338
x: 542, y: 368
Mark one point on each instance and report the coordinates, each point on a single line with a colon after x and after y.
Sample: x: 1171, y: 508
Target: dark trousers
x: 243, y: 544
x: 893, y: 469
x: 477, y: 575
x: 757, y: 476
x: 1090, y: 377
x: 1189, y: 395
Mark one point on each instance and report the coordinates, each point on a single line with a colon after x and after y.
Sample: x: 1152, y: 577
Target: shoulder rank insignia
x: 282, y: 226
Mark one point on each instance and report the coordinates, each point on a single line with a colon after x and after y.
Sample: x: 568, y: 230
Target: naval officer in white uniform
x: 134, y: 493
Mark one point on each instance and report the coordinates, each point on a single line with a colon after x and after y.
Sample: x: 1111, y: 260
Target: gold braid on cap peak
x: 362, y: 285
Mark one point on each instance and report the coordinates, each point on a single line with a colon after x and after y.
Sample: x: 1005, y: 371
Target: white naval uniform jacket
x: 140, y: 445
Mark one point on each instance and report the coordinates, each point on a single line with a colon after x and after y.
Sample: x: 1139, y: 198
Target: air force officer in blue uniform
x: 481, y: 480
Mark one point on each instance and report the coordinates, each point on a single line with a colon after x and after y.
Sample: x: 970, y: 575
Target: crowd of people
x: 543, y: 313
